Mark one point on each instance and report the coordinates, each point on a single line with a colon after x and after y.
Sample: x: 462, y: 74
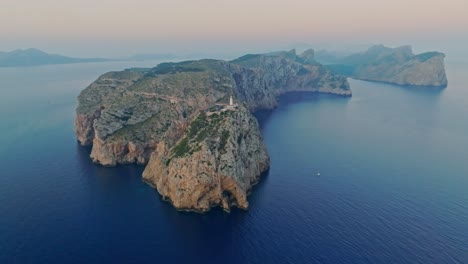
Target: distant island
x: 390, y: 65
x: 191, y: 122
x: 35, y: 57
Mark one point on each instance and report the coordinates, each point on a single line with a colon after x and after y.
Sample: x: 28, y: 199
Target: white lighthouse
x: 231, y: 106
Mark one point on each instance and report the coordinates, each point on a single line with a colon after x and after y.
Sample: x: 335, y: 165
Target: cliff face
x: 398, y: 66
x: 424, y: 70
x: 259, y: 79
x: 141, y: 116
x: 84, y: 127
x: 216, y: 163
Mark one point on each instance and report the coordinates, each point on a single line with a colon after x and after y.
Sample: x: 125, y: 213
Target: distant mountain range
x: 35, y: 57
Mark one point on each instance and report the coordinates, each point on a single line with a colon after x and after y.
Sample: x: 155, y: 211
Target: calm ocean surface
x: 393, y: 184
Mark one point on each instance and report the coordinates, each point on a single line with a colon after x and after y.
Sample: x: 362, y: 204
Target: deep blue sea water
x: 393, y: 184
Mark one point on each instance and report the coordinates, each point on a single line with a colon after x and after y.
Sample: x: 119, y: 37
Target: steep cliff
x: 216, y: 162
x: 398, y: 66
x: 259, y: 79
x: 136, y: 115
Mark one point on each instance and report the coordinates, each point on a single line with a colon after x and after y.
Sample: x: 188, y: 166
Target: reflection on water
x: 292, y: 98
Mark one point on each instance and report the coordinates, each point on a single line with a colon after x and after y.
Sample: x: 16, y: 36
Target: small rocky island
x: 393, y: 65
x: 191, y: 122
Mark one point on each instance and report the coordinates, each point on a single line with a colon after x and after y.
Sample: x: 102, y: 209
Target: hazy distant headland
x: 35, y: 57
x: 391, y: 65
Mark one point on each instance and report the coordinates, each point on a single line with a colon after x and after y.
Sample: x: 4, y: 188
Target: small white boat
x: 318, y: 174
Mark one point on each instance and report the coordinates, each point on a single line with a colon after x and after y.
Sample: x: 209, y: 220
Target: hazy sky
x: 123, y: 27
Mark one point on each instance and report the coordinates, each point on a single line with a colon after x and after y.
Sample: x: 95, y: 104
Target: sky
x: 112, y: 28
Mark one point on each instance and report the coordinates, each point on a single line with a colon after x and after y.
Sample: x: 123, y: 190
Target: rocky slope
x: 398, y: 66
x: 215, y: 164
x: 137, y: 115
x: 259, y: 79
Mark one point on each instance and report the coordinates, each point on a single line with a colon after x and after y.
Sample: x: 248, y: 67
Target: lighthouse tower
x: 231, y: 106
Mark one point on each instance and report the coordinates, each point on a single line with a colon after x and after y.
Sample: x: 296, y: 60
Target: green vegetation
x: 203, y: 129
x: 253, y: 60
x: 197, y: 125
x: 201, y: 135
x: 127, y: 74
x: 171, y: 68
x: 107, y: 89
x: 185, y: 66
x: 152, y: 128
x: 185, y: 81
x: 224, y: 139
x: 213, y: 108
x: 142, y: 70
x: 239, y: 138
x: 181, y: 148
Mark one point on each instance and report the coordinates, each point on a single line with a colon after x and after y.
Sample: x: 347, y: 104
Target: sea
x: 381, y: 177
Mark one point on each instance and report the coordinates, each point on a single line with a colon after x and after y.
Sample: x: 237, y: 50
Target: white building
x: 232, y: 105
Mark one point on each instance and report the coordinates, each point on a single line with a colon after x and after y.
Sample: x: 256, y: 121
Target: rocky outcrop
x: 147, y: 116
x: 120, y: 152
x: 398, y: 66
x: 84, y: 127
x: 423, y: 70
x: 216, y: 163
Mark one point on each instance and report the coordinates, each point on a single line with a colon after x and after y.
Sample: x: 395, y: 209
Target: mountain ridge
x: 392, y: 65
x: 36, y: 57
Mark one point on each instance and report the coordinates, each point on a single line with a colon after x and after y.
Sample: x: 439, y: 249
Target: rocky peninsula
x: 394, y: 65
x: 200, y: 149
